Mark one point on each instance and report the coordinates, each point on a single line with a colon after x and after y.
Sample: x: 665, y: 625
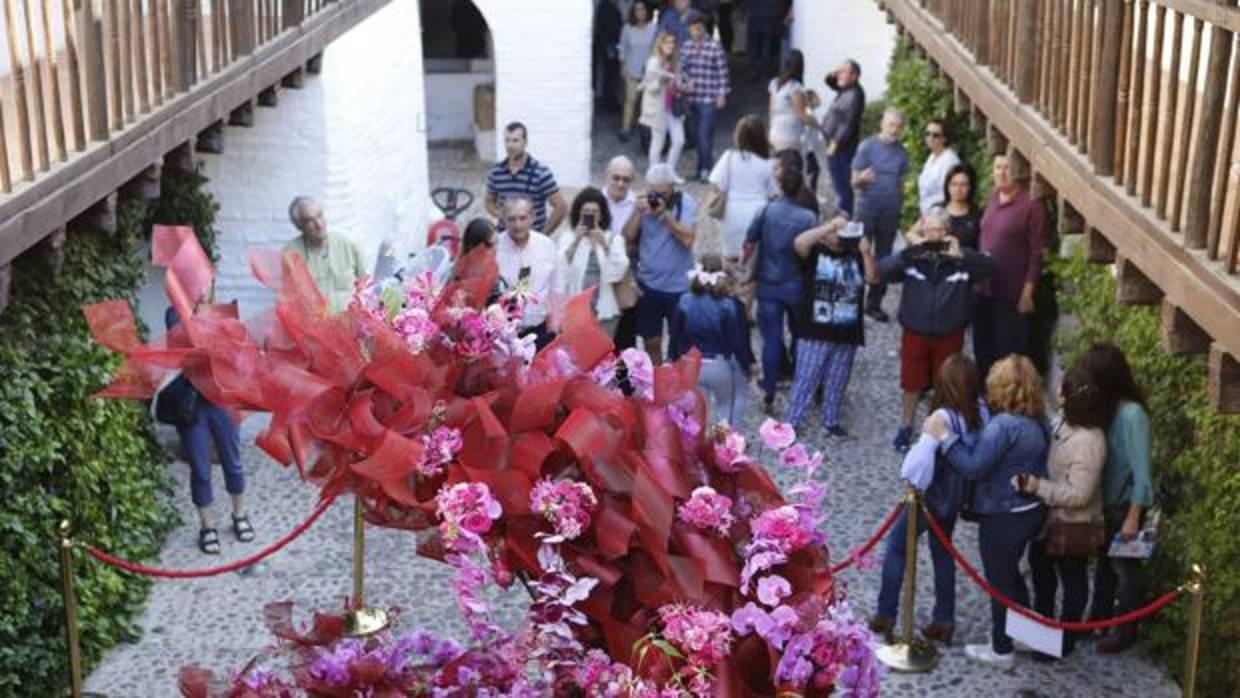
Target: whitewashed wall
x: 354, y: 137
x: 828, y: 31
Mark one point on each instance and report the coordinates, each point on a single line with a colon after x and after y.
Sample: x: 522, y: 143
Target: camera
x: 656, y: 200
x: 935, y: 246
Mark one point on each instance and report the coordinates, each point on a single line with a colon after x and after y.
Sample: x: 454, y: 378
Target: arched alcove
x: 459, y: 62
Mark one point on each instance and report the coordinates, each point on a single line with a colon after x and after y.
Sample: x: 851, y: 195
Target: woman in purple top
x: 1014, y: 235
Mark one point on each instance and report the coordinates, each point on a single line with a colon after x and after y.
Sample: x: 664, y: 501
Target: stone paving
x: 217, y: 622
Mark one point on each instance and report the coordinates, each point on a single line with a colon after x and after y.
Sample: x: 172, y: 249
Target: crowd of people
x: 810, y: 275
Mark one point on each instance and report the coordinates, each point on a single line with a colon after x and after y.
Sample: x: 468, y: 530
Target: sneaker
x: 903, y: 440
x: 986, y: 654
x: 877, y: 314
x: 837, y: 431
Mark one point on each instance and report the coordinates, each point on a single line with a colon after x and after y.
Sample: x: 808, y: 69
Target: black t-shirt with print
x: 834, y: 292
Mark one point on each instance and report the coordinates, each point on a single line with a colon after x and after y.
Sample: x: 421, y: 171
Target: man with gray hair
x: 663, y: 226
x: 878, y: 171
x: 530, y: 262
x: 936, y: 306
x: 618, y: 191
x: 333, y: 262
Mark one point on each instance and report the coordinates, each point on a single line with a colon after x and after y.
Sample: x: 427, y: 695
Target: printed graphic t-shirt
x: 834, y: 291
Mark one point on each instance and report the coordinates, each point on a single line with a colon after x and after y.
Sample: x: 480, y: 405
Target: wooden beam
x: 1070, y: 220
x: 211, y: 139
x: 6, y: 281
x: 996, y: 142
x: 1223, y: 383
x: 296, y: 79
x: 1133, y: 287
x: 314, y: 66
x: 269, y: 97
x: 181, y: 158
x: 1201, y: 290
x: 52, y: 250
x: 242, y: 115
x: 1180, y: 335
x: 33, y: 211
x: 1098, y: 249
x: 146, y: 185
x: 99, y: 218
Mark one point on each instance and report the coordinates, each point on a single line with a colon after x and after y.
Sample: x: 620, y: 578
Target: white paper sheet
x: 1037, y: 636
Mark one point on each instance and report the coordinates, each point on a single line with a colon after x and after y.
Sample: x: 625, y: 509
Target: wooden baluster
x: 1224, y: 170
x: 1046, y: 51
x: 1122, y: 95
x: 94, y: 77
x: 172, y: 46
x: 1025, y: 80
x: 141, y: 64
x: 18, y: 76
x: 1074, y: 70
x: 114, y: 50
x: 36, y: 85
x: 981, y: 33
x: 1168, y: 130
x: 1184, y: 133
x: 73, y: 77
x: 1136, y: 106
x: 1063, y: 82
x: 1087, y: 65
x: 1149, y: 141
x: 1202, y: 175
x: 1012, y: 42
x: 58, y: 124
x: 127, y: 67
x: 157, y: 52
x: 6, y: 180
x: 1101, y: 139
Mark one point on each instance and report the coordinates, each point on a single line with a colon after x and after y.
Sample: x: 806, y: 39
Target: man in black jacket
x: 936, y: 306
x: 842, y: 129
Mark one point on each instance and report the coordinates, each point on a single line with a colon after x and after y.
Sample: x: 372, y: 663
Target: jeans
x: 214, y: 422
x: 771, y: 313
x: 761, y: 44
x: 820, y: 362
x: 1117, y: 580
x: 839, y: 166
x: 727, y: 388
x: 1002, y: 539
x: 1048, y: 572
x: 881, y: 228
x: 944, y: 570
x: 673, y: 128
x: 998, y: 330
x: 703, y: 116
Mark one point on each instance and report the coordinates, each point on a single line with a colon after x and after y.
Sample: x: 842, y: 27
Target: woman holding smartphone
x: 594, y: 257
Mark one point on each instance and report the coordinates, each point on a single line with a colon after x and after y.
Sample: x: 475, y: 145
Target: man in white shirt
x: 529, y: 261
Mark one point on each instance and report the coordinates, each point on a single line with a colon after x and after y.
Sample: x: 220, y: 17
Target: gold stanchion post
x: 360, y: 620
x: 911, y: 654
x: 1197, y: 587
x: 72, y: 635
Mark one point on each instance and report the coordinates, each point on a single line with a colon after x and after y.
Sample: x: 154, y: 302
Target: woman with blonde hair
x: 659, y: 85
x: 1014, y: 443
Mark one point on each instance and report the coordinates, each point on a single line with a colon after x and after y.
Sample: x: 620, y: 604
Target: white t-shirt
x: 786, y: 126
x: 932, y: 178
x: 546, y: 279
x: 744, y: 175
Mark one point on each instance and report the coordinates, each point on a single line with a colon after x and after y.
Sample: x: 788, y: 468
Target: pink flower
x: 640, y: 372
x: 794, y: 456
x: 772, y: 589
x: 706, y: 509
x: 567, y: 505
x: 777, y: 435
x: 467, y: 510
x: 705, y: 637
x: 438, y: 449
x: 730, y: 453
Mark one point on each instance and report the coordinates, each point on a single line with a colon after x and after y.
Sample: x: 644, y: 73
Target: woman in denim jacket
x: 956, y: 399
x: 1014, y: 442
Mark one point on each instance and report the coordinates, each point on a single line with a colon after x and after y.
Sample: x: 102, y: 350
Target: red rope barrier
x: 858, y: 552
x: 213, y: 571
x: 1076, y: 626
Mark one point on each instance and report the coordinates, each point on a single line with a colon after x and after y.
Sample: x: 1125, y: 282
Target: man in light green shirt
x: 333, y: 262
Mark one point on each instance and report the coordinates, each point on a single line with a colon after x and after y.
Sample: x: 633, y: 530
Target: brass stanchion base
x: 914, y: 657
x: 359, y: 622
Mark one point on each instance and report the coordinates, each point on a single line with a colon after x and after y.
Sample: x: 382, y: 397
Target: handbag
x: 176, y: 403
x: 1065, y: 539
x: 626, y: 290
x: 680, y: 106
x: 717, y: 200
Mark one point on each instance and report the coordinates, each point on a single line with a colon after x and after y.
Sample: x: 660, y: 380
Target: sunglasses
x: 934, y: 134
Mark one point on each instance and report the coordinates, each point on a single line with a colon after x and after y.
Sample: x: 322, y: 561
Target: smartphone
x: 523, y: 274
x: 934, y: 246
x: 588, y: 220
x: 853, y: 230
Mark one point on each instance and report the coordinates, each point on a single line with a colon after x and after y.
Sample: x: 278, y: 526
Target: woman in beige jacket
x: 1073, y: 493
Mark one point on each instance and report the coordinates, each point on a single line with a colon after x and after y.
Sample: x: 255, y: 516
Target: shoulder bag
x: 1064, y: 539
x: 176, y: 403
x: 717, y: 202
x: 626, y: 290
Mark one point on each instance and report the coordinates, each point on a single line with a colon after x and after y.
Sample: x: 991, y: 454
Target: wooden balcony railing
x: 1127, y: 112
x: 79, y: 71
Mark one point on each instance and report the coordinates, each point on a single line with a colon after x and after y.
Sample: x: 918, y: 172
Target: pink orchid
x: 730, y: 452
x: 794, y: 456
x: 777, y: 435
x: 706, y: 509
x: 772, y: 589
x: 640, y: 372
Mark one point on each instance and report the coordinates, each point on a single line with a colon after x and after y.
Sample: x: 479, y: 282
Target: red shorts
x: 922, y: 355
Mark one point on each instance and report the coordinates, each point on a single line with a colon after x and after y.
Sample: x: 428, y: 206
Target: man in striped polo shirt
x: 521, y: 174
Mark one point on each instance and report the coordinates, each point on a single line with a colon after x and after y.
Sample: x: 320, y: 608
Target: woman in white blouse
x: 636, y: 42
x: 790, y: 111
x: 744, y: 173
x: 934, y: 173
x: 592, y: 256
x: 659, y: 85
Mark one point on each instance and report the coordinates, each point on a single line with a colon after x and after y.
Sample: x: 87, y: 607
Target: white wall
x: 450, y: 108
x: 354, y: 137
x: 828, y: 31
x: 542, y: 61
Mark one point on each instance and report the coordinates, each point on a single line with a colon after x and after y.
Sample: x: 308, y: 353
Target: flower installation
x: 657, y: 554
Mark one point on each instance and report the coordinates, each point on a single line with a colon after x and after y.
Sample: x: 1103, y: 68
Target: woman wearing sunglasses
x: 939, y: 161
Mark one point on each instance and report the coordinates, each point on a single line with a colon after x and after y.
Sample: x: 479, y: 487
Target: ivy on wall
x: 66, y: 455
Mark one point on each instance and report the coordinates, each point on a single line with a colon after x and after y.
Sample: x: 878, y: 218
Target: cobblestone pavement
x: 217, y: 622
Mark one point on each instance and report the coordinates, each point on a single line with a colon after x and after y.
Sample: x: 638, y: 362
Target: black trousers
x: 998, y: 330
x: 626, y: 330
x: 1048, y: 573
x: 1117, y: 580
